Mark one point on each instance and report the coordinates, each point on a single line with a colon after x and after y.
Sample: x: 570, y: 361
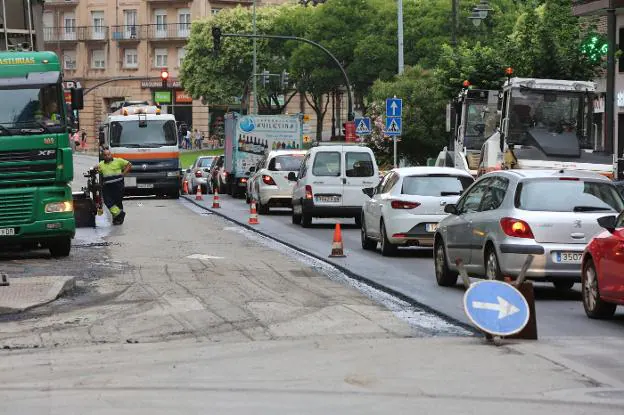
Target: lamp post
x: 400, y: 35
x: 254, y: 101
x: 479, y: 13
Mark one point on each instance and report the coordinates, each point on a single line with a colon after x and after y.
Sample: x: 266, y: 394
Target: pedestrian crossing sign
x: 393, y: 126
x: 362, y: 126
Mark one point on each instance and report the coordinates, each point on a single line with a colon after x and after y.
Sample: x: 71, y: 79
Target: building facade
x: 20, y: 25
x: 98, y: 40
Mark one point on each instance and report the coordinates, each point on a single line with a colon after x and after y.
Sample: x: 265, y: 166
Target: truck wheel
x: 60, y: 247
x: 175, y: 194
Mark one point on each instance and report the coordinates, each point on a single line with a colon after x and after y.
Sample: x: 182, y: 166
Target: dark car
x: 620, y: 186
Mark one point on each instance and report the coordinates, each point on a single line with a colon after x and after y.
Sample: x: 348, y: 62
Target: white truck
x: 249, y: 137
x: 546, y: 124
x: 472, y: 118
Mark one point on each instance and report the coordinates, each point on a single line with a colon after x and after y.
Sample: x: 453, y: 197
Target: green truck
x: 36, y: 166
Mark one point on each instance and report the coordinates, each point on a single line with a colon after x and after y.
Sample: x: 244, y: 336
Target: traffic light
x: 164, y: 77
x: 285, y: 79
x: 264, y: 78
x: 594, y: 47
x: 216, y: 41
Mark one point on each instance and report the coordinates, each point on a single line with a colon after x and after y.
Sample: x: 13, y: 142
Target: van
x: 330, y: 182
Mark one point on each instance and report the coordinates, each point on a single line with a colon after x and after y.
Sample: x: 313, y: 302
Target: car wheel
x: 358, y: 221
x: 296, y: 219
x: 306, y: 220
x: 367, y: 243
x: 60, y: 247
x: 594, y: 306
x: 492, y: 269
x: 444, y: 276
x: 247, y: 198
x: 222, y: 188
x: 263, y: 209
x: 387, y: 248
x: 563, y: 285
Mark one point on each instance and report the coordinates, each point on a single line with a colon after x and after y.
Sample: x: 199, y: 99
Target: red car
x: 603, y: 269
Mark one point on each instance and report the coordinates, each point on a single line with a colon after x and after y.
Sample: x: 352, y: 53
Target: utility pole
x: 454, y: 24
x: 4, y: 26
x: 610, y: 99
x: 400, y: 35
x: 254, y: 101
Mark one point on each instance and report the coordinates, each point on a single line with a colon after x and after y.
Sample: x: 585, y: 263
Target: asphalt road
x: 411, y: 273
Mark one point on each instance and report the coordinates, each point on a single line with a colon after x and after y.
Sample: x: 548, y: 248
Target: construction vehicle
x: 546, y: 124
x: 471, y: 118
x: 36, y: 165
x: 147, y: 139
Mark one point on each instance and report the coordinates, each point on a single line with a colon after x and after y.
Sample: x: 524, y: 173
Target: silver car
x: 506, y: 215
x: 199, y: 175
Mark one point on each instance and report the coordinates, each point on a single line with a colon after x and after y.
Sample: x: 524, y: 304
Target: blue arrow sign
x: 393, y: 126
x: 496, y: 307
x: 394, y: 107
x: 362, y: 126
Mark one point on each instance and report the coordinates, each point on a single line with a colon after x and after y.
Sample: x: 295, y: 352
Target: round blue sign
x: 496, y: 307
x: 247, y: 124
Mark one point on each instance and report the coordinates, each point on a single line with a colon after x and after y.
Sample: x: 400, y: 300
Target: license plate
x: 431, y: 227
x: 568, y: 257
x: 7, y: 232
x: 130, y: 181
x: 145, y: 186
x: 328, y: 199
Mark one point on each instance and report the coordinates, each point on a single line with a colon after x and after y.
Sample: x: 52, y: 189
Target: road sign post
x: 394, y: 113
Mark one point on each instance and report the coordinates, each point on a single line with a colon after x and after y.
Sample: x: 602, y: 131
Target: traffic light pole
x: 351, y: 115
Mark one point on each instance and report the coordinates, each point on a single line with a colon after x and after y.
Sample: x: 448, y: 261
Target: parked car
x: 330, y: 182
x: 603, y: 269
x: 269, y: 185
x: 218, y: 175
x: 407, y: 205
x: 199, y: 176
x: 620, y: 186
x: 250, y: 181
x: 508, y: 214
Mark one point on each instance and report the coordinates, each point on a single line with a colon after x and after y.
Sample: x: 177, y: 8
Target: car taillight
x: 308, y: 189
x: 198, y: 173
x: 401, y: 204
x: 516, y: 228
x: 243, y: 180
x: 268, y: 180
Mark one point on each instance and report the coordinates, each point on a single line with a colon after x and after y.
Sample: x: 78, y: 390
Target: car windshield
x: 205, y: 162
x: 32, y: 107
x: 556, y: 195
x: 290, y: 162
x: 154, y: 133
x: 435, y: 185
x: 480, y: 124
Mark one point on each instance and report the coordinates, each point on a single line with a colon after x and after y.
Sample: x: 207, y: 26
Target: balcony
x: 171, y: 31
x: 129, y: 33
x: 61, y: 3
x: 93, y: 33
x: 67, y: 34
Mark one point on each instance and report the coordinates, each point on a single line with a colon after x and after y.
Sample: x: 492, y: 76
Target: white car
x: 406, y: 206
x: 269, y: 185
x: 330, y: 182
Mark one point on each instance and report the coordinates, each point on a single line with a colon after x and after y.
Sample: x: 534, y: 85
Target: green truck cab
x: 36, y: 165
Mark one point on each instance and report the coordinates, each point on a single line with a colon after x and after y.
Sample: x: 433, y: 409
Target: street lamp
x: 480, y: 12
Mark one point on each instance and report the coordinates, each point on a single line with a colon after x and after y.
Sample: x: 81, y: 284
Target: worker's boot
x: 121, y: 217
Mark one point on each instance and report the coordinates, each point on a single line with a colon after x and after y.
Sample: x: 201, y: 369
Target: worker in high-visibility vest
x: 113, y: 171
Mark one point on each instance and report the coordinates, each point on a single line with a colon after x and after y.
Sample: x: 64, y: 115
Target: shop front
x: 173, y: 100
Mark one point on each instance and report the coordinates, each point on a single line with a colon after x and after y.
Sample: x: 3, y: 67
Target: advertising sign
x: 162, y: 97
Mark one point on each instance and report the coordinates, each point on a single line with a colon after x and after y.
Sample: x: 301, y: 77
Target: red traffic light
x: 509, y: 71
x: 164, y: 75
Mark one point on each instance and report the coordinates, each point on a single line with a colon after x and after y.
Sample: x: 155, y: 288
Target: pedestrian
x: 75, y: 138
x: 113, y: 171
x: 189, y: 144
x: 84, y: 140
x: 198, y: 140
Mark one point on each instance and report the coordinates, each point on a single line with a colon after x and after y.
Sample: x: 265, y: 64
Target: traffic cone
x: 253, y: 215
x: 185, y: 189
x: 198, y: 195
x: 337, y: 247
x: 215, y: 199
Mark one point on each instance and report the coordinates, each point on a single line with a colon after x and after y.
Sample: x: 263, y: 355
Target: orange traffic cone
x: 185, y: 189
x: 337, y: 247
x: 198, y: 195
x: 215, y: 199
x: 253, y: 215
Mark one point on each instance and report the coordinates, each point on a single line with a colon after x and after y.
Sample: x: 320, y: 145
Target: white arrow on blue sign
x: 362, y: 126
x: 496, y: 307
x: 394, y: 107
x: 393, y: 126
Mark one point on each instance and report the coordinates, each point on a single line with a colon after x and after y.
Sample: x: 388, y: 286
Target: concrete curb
x: 342, y: 269
x: 26, y: 293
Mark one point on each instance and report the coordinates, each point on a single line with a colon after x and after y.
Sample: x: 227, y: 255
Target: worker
x: 113, y: 171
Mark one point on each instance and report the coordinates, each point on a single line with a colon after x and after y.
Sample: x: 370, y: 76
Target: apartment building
x: 99, y: 40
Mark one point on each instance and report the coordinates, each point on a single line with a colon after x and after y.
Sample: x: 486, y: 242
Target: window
x: 214, y: 11
x: 30, y: 106
x: 359, y: 165
x: 555, y: 195
x: 291, y: 162
x: 160, y: 60
x: 326, y: 164
x: 619, y: 223
x: 160, y: 18
x: 155, y: 132
x: 181, y: 55
x: 495, y: 194
x: 131, y: 59
x: 69, y: 59
x: 97, y: 19
x: 393, y: 178
x: 304, y: 166
x: 98, y: 60
x: 184, y: 22
x: 472, y: 200
x: 435, y: 185
x: 130, y: 22
x: 69, y: 26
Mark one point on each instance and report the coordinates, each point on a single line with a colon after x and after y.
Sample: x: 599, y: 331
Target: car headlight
x: 59, y: 207
x: 173, y: 174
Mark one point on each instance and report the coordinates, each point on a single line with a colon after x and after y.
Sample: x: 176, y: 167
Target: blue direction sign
x: 362, y: 126
x: 496, y: 307
x: 394, y: 107
x: 393, y: 126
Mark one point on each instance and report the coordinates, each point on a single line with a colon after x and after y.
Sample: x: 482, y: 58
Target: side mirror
x: 292, y: 176
x: 252, y: 169
x: 369, y: 191
x: 188, y: 170
x: 451, y: 209
x: 77, y: 99
x: 207, y: 170
x: 608, y: 222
